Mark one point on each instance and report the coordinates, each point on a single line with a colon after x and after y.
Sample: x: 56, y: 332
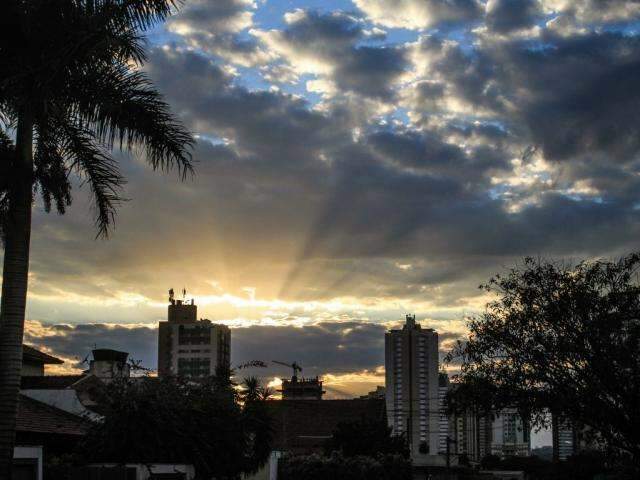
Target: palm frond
x: 51, y: 172
x: 143, y: 14
x: 122, y: 108
x: 100, y: 170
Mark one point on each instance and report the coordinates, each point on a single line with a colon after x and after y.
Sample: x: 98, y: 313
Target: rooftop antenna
x: 171, y: 297
x: 184, y: 294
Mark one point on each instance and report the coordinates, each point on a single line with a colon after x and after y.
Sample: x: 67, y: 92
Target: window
x: 194, y: 335
x: 194, y: 367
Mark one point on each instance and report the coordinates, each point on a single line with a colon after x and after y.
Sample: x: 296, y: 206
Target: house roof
x: 32, y: 355
x: 37, y: 417
x: 49, y: 382
x: 303, y: 426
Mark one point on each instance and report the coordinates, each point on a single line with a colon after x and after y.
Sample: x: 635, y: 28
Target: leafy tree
x: 564, y: 338
x: 366, y: 438
x: 204, y: 423
x: 339, y: 467
x: 72, y: 90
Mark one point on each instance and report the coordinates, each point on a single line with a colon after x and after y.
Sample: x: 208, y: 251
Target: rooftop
x: 32, y: 355
x: 37, y: 417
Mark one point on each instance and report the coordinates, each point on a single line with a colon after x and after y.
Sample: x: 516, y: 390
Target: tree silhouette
x: 562, y: 338
x: 202, y: 422
x: 72, y: 90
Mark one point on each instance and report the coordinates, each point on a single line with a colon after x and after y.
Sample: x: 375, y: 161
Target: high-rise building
x: 443, y: 418
x: 190, y: 347
x: 471, y: 435
x: 510, y: 435
x: 412, y: 390
x: 564, y: 438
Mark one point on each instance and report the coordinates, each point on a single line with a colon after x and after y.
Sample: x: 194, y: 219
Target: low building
x: 379, y: 393
x: 34, y: 361
x: 77, y: 394
x: 302, y: 389
x: 43, y: 430
x: 303, y: 426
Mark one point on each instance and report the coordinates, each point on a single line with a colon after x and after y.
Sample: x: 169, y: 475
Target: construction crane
x: 296, y: 368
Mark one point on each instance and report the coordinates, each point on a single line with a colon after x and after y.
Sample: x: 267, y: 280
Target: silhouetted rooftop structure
x: 38, y: 417
x: 33, y: 361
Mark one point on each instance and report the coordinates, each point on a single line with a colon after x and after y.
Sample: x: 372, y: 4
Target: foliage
x: 564, y: 338
x: 340, y: 467
x: 366, y: 438
x: 588, y: 465
x: 71, y: 72
x: 203, y: 423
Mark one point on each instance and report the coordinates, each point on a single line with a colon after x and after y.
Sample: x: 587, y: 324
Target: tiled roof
x: 303, y: 426
x: 50, y: 382
x: 34, y: 355
x: 37, y: 417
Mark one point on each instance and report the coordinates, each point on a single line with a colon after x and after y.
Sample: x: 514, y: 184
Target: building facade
x: 190, y: 347
x: 471, y: 435
x: 443, y: 418
x: 412, y: 388
x: 510, y: 435
x: 302, y: 389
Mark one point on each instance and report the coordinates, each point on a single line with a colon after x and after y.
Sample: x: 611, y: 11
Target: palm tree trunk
x: 14, y: 288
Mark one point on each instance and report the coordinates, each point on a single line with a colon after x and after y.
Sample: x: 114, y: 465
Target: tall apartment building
x: 571, y: 438
x: 510, y: 435
x: 443, y: 419
x: 471, y: 435
x: 412, y: 391
x: 190, y: 347
x: 565, y: 442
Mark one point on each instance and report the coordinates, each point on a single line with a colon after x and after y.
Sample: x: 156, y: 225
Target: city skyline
x: 354, y: 167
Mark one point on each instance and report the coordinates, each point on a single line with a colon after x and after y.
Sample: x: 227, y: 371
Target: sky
x: 357, y: 160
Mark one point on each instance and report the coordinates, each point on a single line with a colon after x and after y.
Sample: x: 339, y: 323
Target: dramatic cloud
x: 504, y: 16
x: 418, y: 14
x: 593, y: 11
x: 327, y: 45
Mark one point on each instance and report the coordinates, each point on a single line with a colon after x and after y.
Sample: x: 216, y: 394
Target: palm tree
x: 71, y: 89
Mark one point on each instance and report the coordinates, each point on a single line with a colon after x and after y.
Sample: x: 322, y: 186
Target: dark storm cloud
x: 591, y: 107
x: 326, y: 347
x: 317, y: 42
x: 504, y: 16
x: 429, y: 153
x: 77, y: 341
